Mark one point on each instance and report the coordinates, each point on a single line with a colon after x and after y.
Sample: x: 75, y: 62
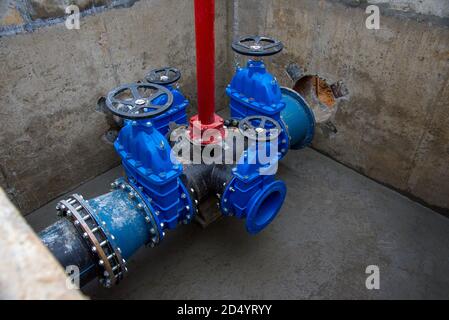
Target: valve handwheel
x: 139, y: 100
x: 257, y: 46
x: 260, y: 128
x: 163, y: 76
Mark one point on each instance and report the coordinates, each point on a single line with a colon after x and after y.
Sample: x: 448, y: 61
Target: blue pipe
x: 298, y: 119
x: 123, y: 220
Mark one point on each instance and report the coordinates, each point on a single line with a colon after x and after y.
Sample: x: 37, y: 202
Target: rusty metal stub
x: 339, y: 89
x: 294, y: 71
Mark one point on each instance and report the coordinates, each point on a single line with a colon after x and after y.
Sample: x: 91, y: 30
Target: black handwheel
x: 257, y: 46
x: 260, y: 128
x: 139, y: 100
x: 166, y: 75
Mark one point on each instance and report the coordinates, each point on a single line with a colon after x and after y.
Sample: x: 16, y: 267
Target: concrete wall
x: 394, y: 127
x: 51, y: 79
x: 31, y: 271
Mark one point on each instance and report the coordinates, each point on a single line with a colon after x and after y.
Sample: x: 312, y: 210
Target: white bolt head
x: 140, y: 102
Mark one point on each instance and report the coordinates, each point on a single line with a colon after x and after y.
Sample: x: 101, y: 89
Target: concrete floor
x: 334, y: 223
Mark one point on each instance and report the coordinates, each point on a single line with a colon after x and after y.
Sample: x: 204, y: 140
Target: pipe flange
x: 102, y: 244
x: 145, y: 206
x: 195, y: 203
x: 224, y: 204
x: 190, y: 192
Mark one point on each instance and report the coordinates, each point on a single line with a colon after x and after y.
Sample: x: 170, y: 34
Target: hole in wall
x: 318, y: 94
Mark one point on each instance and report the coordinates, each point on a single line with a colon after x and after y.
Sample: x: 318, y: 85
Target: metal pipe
x: 298, y: 119
x: 205, y: 59
x: 70, y: 249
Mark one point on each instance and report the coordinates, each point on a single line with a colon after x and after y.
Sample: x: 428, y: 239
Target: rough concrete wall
x: 438, y: 8
x: 394, y: 127
x: 29, y: 271
x: 52, y: 77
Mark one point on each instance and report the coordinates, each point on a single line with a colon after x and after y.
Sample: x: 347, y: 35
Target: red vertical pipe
x: 205, y: 59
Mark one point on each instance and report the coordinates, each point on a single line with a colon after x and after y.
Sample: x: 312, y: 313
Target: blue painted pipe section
x: 298, y: 119
x: 123, y: 220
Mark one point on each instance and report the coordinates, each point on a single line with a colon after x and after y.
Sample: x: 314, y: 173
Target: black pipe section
x: 70, y: 249
x: 206, y: 179
x: 220, y: 176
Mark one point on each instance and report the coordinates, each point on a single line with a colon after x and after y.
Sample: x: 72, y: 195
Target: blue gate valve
x: 167, y: 77
x: 254, y: 91
x: 146, y: 154
x: 253, y: 193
